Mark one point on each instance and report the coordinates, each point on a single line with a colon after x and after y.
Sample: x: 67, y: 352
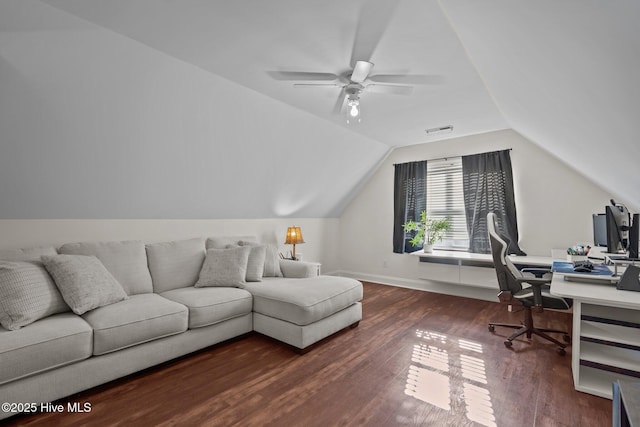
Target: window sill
x: 483, y: 260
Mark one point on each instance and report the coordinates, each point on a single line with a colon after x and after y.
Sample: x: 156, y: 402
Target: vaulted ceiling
x: 563, y: 74
x: 248, y: 41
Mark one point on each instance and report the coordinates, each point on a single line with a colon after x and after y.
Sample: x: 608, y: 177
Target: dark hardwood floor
x: 417, y: 359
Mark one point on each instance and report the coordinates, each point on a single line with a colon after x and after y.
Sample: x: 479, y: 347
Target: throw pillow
x: 221, y: 242
x: 255, y: 264
x: 271, y: 259
x: 224, y: 267
x: 27, y: 294
x: 83, y: 281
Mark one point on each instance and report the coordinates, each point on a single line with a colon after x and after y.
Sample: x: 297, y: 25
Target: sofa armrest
x: 299, y: 269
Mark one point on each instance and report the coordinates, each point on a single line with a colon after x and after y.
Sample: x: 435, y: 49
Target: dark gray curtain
x: 409, y: 199
x: 488, y: 187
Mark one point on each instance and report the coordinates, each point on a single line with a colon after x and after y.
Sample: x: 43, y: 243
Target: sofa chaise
x: 135, y: 306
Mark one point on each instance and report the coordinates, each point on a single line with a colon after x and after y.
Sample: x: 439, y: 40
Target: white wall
x: 320, y: 235
x: 554, y: 206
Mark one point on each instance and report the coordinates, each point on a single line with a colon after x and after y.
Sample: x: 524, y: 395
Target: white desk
x: 467, y: 258
x: 469, y: 269
x: 606, y: 334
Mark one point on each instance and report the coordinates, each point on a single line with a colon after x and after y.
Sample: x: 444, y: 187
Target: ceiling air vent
x: 444, y: 129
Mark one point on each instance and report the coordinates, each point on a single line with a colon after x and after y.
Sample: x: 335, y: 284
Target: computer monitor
x: 600, y: 229
x: 634, y: 236
x: 617, y: 219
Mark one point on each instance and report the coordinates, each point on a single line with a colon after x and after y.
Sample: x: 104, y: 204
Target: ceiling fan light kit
x: 353, y: 103
x: 353, y: 110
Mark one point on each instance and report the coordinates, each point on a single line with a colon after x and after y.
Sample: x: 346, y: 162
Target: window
x: 463, y: 190
x: 445, y: 199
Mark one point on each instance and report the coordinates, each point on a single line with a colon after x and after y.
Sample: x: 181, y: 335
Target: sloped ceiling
x: 561, y: 74
x: 565, y: 75
x: 244, y: 41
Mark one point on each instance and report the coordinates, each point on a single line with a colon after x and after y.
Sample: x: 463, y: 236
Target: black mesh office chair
x: 535, y: 297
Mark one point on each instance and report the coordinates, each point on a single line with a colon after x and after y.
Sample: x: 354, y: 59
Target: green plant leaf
x: 433, y: 229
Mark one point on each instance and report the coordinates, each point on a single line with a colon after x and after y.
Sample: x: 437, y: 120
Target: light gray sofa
x: 164, y: 315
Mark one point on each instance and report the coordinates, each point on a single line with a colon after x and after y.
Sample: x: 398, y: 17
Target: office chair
x: 536, y: 297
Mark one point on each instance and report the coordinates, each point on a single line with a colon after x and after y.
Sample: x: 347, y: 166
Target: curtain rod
x: 450, y: 157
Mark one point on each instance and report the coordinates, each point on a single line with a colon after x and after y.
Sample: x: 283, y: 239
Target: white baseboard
x: 455, y: 289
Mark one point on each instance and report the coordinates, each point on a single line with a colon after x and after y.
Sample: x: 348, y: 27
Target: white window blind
x: 445, y: 199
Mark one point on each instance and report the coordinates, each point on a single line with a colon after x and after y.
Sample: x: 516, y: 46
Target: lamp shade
x: 294, y: 236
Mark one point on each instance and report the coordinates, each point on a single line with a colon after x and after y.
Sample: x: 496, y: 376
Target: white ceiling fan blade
x: 373, y: 21
x: 412, y: 79
x: 361, y: 71
x: 341, y: 101
x: 316, y: 85
x: 392, y: 89
x: 302, y: 76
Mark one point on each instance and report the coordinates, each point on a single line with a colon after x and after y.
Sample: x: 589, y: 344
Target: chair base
x: 527, y: 328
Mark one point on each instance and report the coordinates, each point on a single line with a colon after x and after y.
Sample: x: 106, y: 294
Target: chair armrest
x: 298, y: 269
x: 536, y: 285
x: 538, y: 272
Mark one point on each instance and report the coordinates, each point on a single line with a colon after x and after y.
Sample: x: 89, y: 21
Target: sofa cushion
x: 27, y: 293
x: 55, y: 341
x: 83, y: 281
x: 175, y: 264
x: 221, y: 242
x: 271, y: 259
x: 127, y: 261
x: 211, y: 305
x: 27, y: 254
x: 136, y: 320
x: 304, y: 301
x: 224, y: 267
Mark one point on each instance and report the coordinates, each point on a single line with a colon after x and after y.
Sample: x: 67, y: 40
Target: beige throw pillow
x: 27, y: 294
x: 85, y: 284
x: 255, y: 264
x: 224, y: 267
x: 271, y: 259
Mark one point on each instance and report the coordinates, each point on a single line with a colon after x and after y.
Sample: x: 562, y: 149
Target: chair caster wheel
x: 566, y: 338
x: 561, y: 351
x: 508, y: 344
x: 492, y: 328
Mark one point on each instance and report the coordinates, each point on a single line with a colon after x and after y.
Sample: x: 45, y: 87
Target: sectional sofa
x: 83, y: 314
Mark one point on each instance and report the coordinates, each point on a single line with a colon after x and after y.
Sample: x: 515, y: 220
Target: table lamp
x: 294, y: 236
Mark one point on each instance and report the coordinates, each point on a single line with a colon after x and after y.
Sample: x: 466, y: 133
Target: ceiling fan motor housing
x: 353, y: 90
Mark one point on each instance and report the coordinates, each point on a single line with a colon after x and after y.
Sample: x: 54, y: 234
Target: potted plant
x: 429, y: 231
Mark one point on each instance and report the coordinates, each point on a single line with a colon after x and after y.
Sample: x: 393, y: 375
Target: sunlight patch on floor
x: 431, y: 356
x: 473, y: 369
x: 478, y: 402
x: 429, y: 378
x: 470, y: 345
x: 431, y: 336
x: 428, y: 386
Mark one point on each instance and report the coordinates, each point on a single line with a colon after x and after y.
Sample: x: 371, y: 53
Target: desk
x: 469, y: 269
x: 479, y: 260
x: 606, y: 334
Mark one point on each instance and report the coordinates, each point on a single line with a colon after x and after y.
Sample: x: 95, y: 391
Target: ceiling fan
x: 373, y: 21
